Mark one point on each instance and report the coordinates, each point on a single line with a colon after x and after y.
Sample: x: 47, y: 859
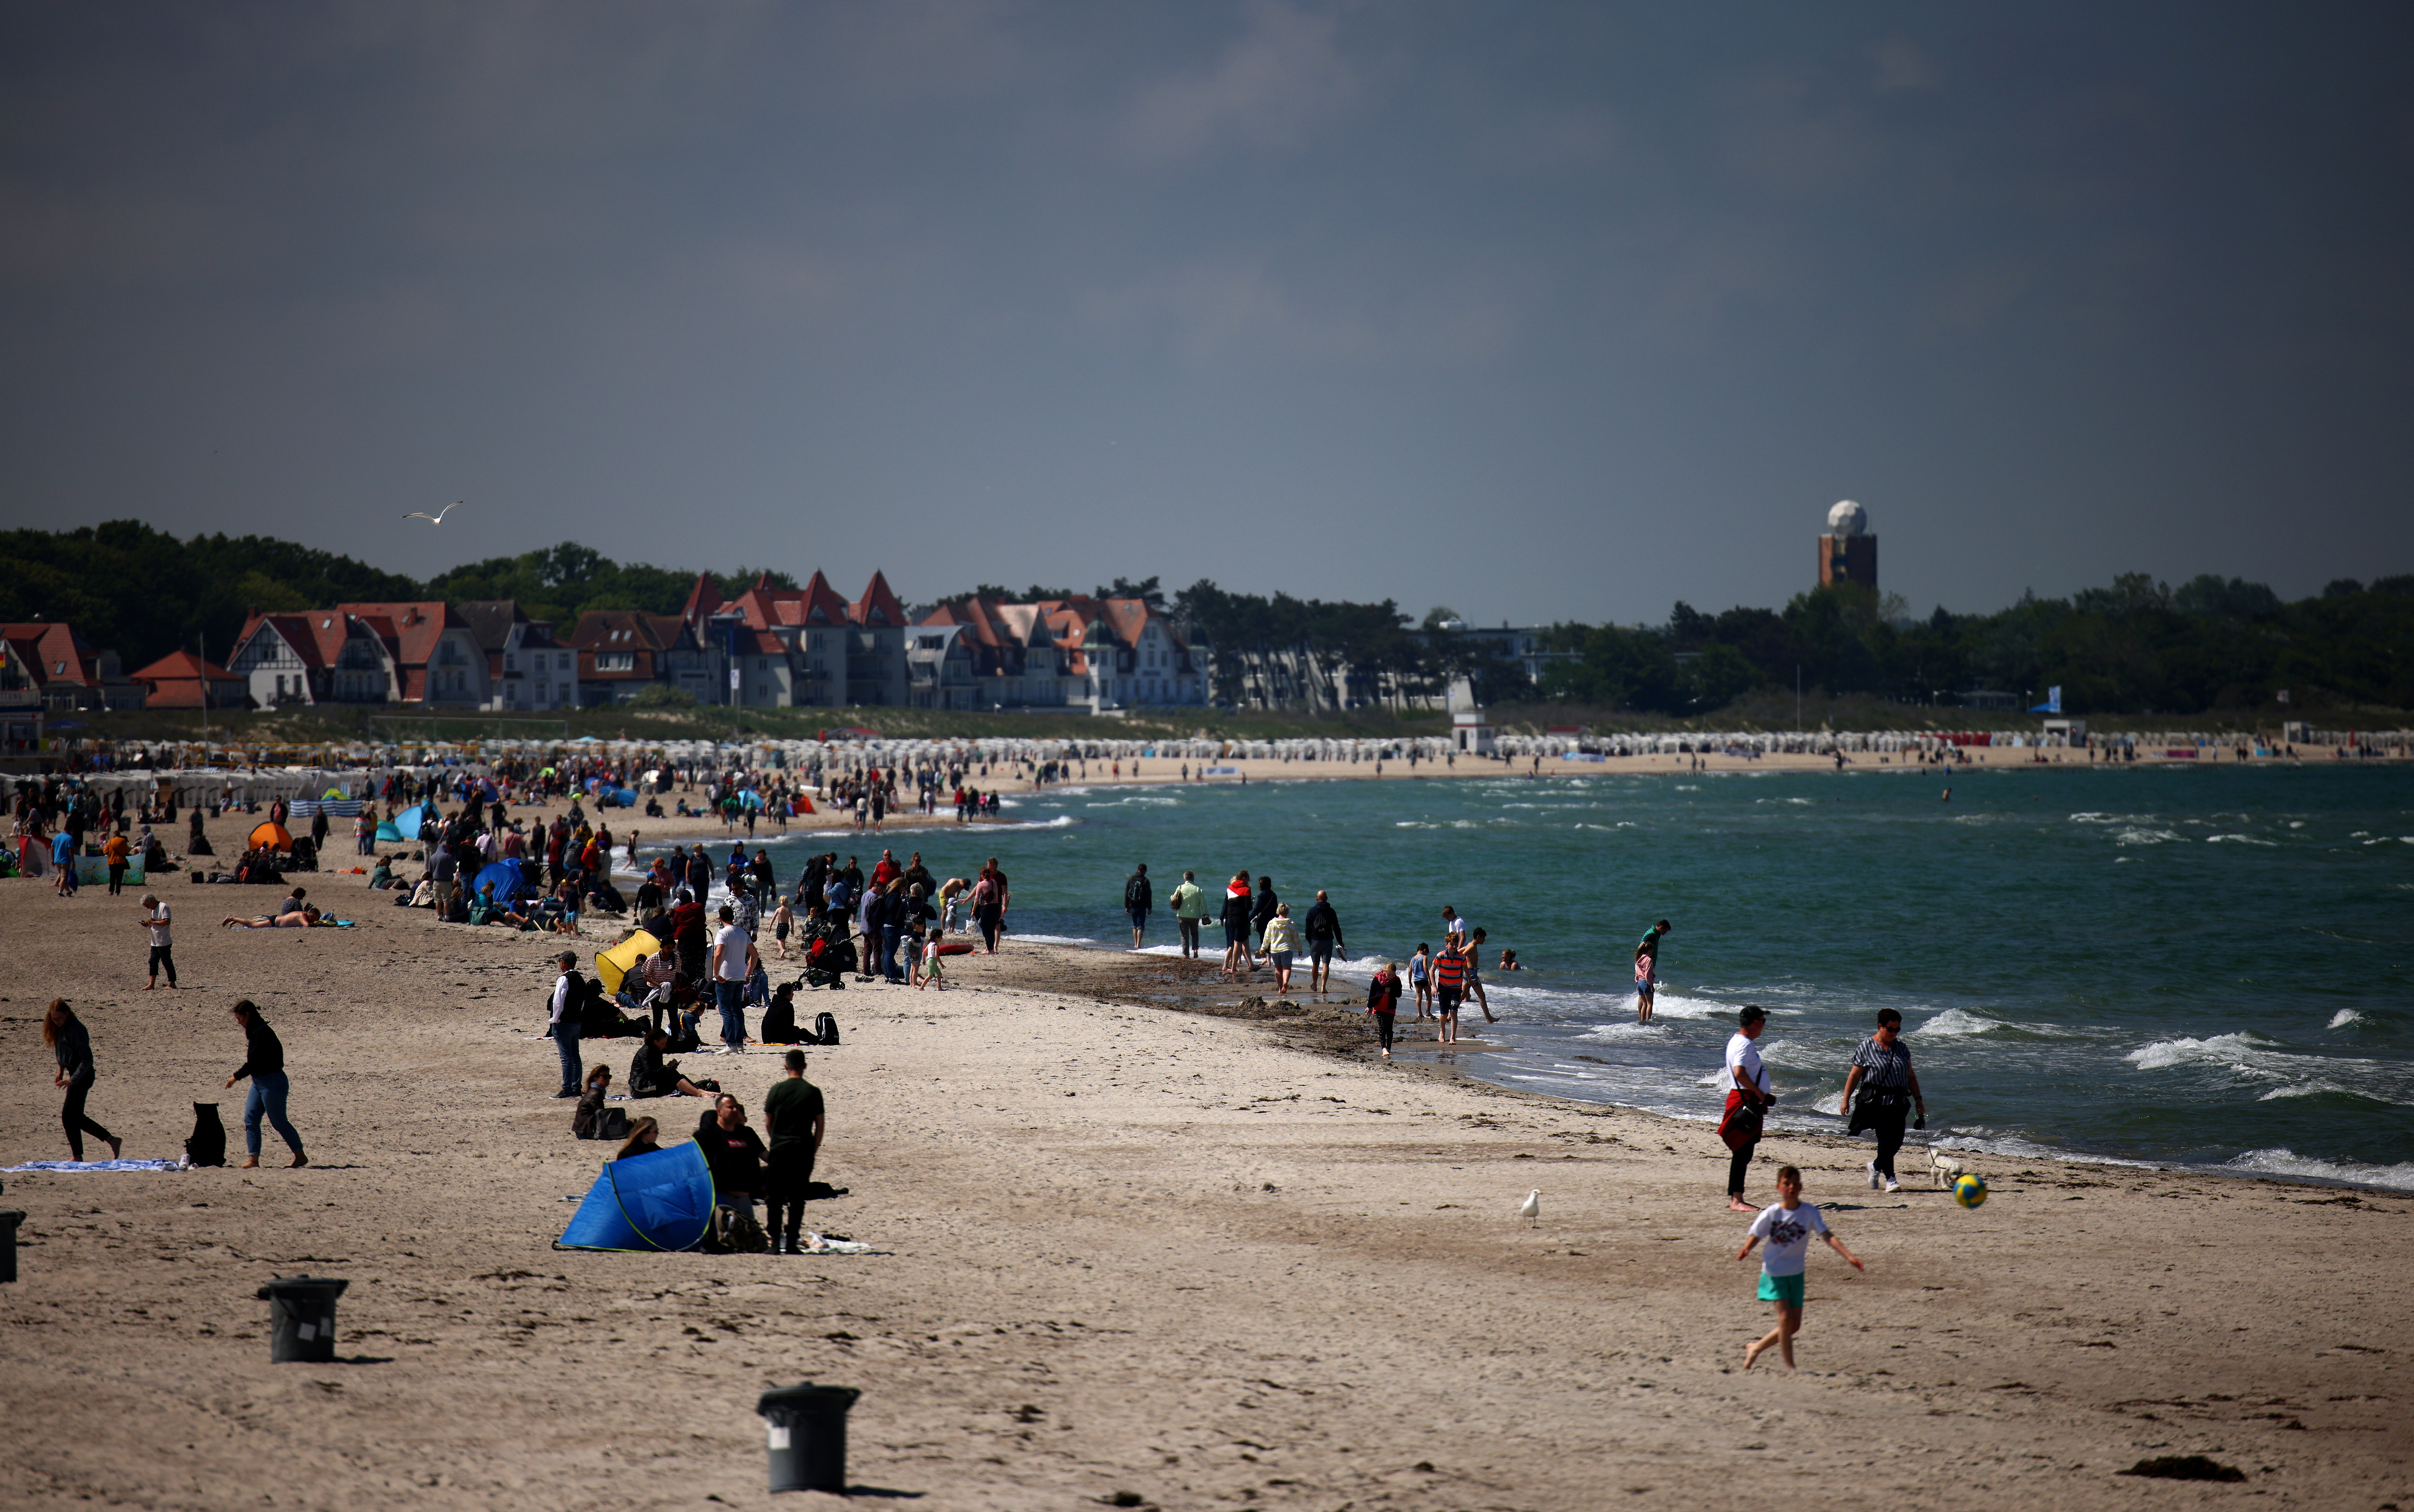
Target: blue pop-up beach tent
x: 403, y: 828
x: 509, y: 876
x: 657, y: 1201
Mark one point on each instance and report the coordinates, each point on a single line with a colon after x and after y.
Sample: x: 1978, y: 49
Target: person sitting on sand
x: 589, y: 1111
x: 307, y: 919
x: 651, y: 1076
x: 381, y: 875
x: 644, y: 1137
x: 779, y: 1023
x: 732, y: 1151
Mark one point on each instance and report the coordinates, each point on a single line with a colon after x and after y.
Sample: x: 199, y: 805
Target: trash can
x: 302, y: 1317
x: 807, y: 1436
x: 9, y: 1222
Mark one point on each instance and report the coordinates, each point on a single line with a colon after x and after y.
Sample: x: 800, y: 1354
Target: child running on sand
x: 929, y: 974
x: 1787, y: 1224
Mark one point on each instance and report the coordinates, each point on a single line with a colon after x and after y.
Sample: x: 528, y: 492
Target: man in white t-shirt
x: 1746, y: 1085
x: 729, y: 979
x: 1787, y: 1224
x: 155, y: 918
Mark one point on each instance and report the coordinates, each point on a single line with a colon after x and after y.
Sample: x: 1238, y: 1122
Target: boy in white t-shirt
x: 930, y: 975
x: 1787, y: 1224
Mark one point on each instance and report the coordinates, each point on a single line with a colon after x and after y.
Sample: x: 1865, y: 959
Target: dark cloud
x: 1538, y: 311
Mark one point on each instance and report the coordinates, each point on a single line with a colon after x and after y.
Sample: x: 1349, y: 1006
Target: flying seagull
x: 437, y: 518
x: 1532, y: 1207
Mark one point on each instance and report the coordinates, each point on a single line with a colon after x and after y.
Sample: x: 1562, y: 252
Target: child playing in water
x: 1787, y: 1224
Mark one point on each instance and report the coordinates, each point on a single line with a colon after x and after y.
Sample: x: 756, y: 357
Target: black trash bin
x: 807, y: 1436
x: 9, y: 1222
x: 302, y: 1317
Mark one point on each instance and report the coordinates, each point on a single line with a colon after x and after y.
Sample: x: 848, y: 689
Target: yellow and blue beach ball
x: 1970, y: 1191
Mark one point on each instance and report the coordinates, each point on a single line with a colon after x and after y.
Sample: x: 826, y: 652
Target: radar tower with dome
x: 1848, y: 553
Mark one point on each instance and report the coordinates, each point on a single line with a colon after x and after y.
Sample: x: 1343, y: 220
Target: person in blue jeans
x: 562, y: 1024
x: 729, y: 949
x: 264, y: 1063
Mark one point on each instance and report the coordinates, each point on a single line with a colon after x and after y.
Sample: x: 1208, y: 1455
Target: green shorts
x: 1785, y: 1289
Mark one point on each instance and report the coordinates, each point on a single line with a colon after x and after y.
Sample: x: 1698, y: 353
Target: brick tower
x: 1848, y: 553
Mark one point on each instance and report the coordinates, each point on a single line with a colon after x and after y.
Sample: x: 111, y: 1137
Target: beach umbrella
x: 271, y: 836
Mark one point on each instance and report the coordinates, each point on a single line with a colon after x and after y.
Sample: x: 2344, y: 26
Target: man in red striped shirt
x: 1449, y: 986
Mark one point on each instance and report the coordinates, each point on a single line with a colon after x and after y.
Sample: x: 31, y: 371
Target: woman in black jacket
x: 65, y: 1033
x: 1236, y: 927
x: 732, y: 1151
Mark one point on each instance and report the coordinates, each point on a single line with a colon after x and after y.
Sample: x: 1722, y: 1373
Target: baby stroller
x: 829, y: 954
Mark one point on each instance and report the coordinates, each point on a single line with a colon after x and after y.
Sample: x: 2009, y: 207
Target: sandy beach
x: 1132, y: 1237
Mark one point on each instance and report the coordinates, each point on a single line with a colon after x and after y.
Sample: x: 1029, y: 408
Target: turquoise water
x: 2175, y: 967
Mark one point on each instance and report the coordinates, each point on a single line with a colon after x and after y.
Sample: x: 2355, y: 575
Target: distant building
x: 435, y: 658
x: 1081, y: 652
x: 526, y: 667
x: 1848, y: 553
x: 46, y: 662
x: 182, y: 680
x: 325, y: 656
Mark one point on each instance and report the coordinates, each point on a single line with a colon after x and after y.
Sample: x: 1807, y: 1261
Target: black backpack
x: 1136, y: 892
x: 825, y: 1028
x: 208, y: 1144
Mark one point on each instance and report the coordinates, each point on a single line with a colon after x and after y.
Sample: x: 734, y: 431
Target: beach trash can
x: 302, y: 1318
x: 9, y: 1222
x: 807, y: 1436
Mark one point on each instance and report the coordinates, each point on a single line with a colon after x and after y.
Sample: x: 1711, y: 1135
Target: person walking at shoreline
x: 1139, y: 900
x: 1282, y: 946
x: 1383, y: 1002
x: 155, y: 918
x: 1322, y: 928
x: 264, y: 1063
x: 70, y: 1043
x: 1420, y: 977
x: 1747, y: 1094
x: 1888, y: 1088
x: 1188, y: 903
x: 1646, y: 970
x: 1262, y: 911
x: 1236, y: 927
x: 1787, y: 1224
x: 1473, y: 949
x: 1450, y: 987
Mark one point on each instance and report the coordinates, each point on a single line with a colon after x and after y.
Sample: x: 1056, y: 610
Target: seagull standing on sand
x: 1532, y: 1207
x: 437, y: 518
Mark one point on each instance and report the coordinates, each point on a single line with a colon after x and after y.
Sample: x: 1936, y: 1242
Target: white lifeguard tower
x: 1471, y: 732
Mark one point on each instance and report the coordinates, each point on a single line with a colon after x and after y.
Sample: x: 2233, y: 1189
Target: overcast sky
x: 1539, y: 311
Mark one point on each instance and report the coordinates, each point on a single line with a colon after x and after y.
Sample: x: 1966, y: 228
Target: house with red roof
x: 437, y: 660
x: 322, y: 656
x: 835, y: 653
x: 47, y: 662
x: 182, y: 680
x: 1059, y: 653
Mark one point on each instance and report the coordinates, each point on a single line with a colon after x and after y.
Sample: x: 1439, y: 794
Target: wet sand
x: 1136, y: 1235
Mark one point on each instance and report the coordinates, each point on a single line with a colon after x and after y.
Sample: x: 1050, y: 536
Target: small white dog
x: 1944, y: 1167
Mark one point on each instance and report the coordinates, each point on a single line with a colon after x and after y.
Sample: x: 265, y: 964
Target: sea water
x: 2176, y: 966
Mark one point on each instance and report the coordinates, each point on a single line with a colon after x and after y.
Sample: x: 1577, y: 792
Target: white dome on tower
x: 1847, y: 519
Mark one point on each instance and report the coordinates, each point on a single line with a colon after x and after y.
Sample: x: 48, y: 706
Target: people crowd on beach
x: 713, y: 919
